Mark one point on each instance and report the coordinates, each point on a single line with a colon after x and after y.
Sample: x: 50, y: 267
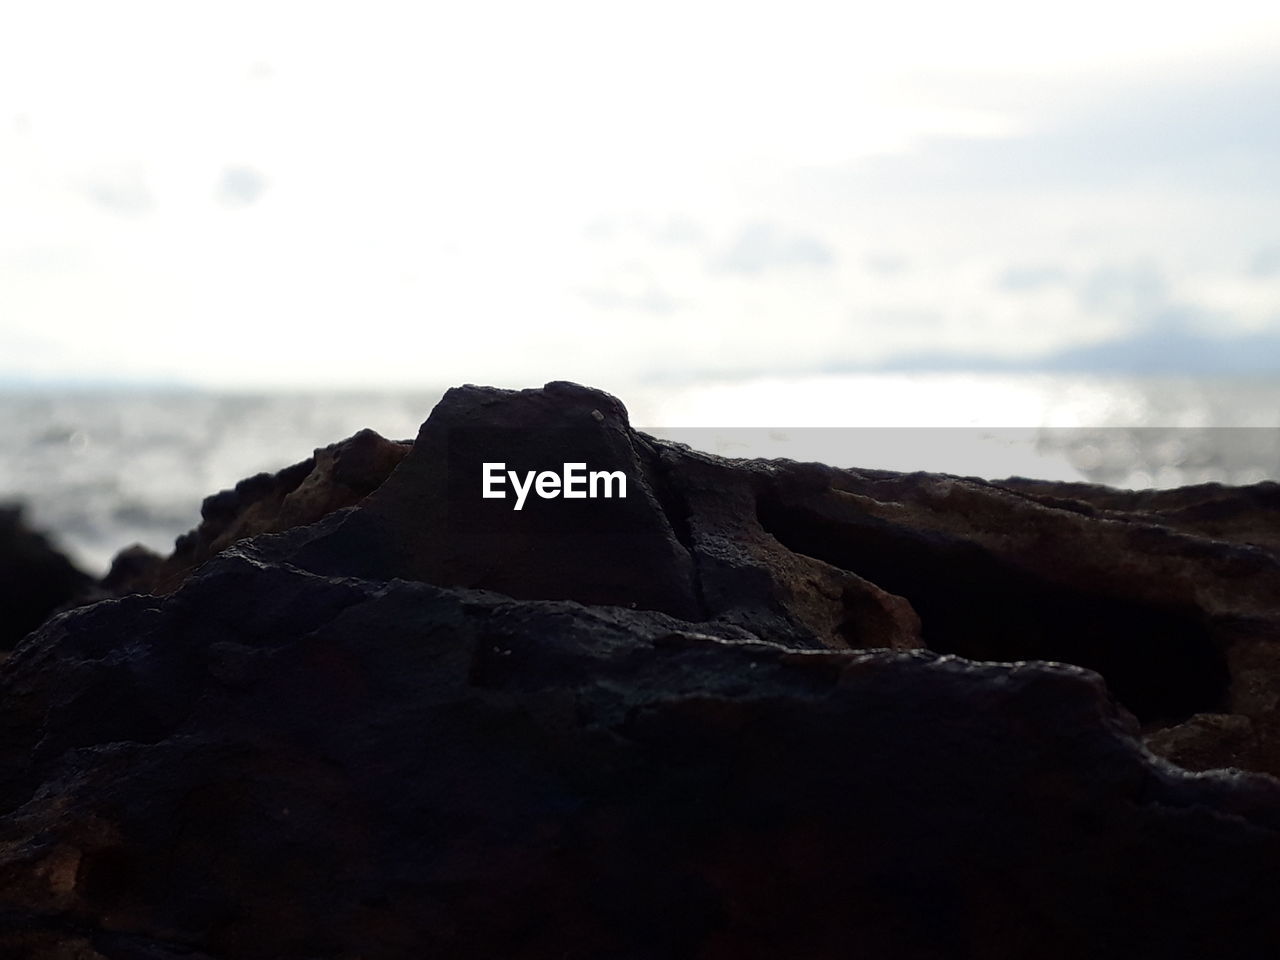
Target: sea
x: 99, y: 469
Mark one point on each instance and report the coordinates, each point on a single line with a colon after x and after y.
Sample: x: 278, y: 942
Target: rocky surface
x: 35, y: 578
x: 754, y: 709
x: 334, y: 477
x: 1243, y: 514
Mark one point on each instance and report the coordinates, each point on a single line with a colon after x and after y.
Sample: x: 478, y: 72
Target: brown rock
x: 271, y: 763
x: 675, y: 725
x: 1170, y: 595
x: 337, y: 476
x: 1207, y: 741
x: 1247, y: 515
x: 685, y: 541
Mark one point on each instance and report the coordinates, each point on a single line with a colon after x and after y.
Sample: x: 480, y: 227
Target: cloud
x: 1170, y: 346
x: 121, y: 190
x: 26, y: 346
x: 886, y: 264
x: 678, y: 232
x: 1113, y: 194
x: 649, y: 298
x: 762, y: 246
x: 1171, y: 350
x: 1132, y: 290
x: 1209, y: 126
x: 902, y: 317
x: 629, y: 286
x: 1023, y: 278
x: 240, y: 186
x: 53, y: 258
x: 674, y: 231
x: 1266, y: 263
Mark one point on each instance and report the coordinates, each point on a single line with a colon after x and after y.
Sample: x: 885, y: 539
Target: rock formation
x: 35, y: 578
x: 753, y: 709
x: 336, y: 476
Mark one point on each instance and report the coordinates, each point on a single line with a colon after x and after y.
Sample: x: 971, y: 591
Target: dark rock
x: 697, y: 722
x: 35, y: 578
x: 1249, y: 514
x: 331, y: 768
x: 1205, y: 741
x: 685, y: 541
x: 336, y: 476
x: 130, y: 567
x: 429, y: 522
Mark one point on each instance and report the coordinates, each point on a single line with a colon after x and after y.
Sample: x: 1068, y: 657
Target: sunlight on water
x: 1123, y: 432
x: 960, y: 400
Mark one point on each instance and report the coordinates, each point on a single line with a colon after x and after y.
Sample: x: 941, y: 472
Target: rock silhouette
x: 753, y: 709
x: 336, y: 476
x: 35, y: 578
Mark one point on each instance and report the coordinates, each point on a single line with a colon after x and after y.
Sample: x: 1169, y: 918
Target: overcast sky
x: 288, y: 194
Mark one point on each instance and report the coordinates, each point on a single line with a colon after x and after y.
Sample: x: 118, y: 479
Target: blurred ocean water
x: 100, y: 470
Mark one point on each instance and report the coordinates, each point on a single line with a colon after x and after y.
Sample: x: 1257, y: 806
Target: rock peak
x: 752, y: 709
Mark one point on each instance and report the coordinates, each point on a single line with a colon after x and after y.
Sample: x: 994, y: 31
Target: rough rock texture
x: 35, y: 578
x: 1221, y: 547
x: 1245, y: 514
x: 333, y: 767
x: 336, y: 476
x: 685, y: 541
x: 697, y: 722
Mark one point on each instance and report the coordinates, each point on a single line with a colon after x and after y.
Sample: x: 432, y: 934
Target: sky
x: 249, y: 195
